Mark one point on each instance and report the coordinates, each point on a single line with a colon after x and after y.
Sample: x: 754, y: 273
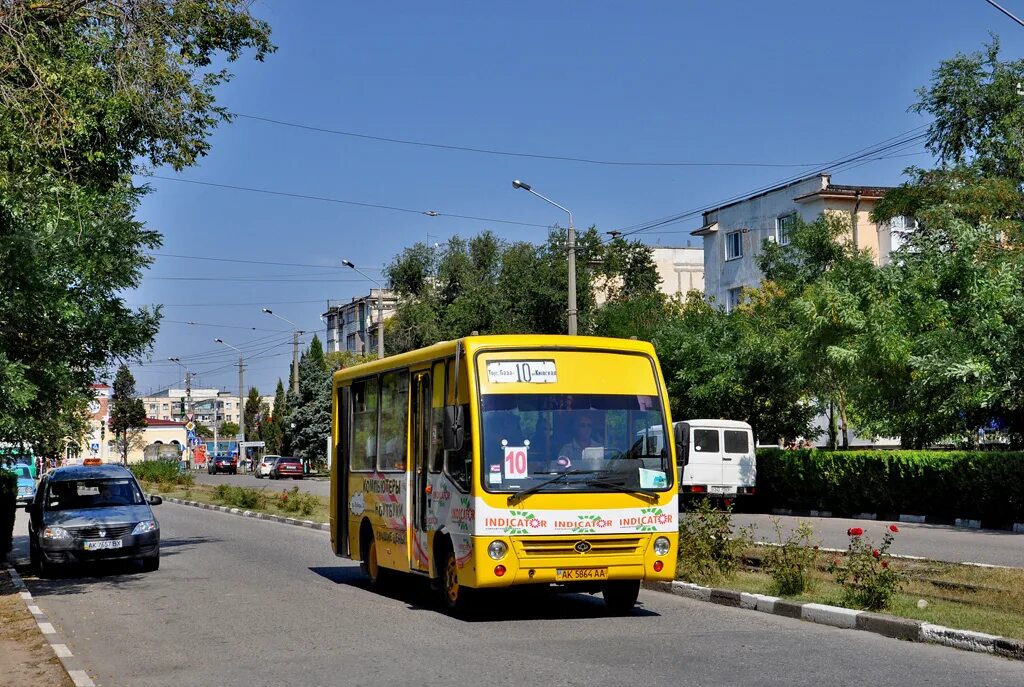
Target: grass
x: 263, y: 500
x: 964, y: 597
x: 25, y: 658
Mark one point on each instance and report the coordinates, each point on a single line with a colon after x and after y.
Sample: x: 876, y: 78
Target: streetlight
x: 241, y: 393
x: 571, y: 249
x: 295, y: 349
x: 380, y: 306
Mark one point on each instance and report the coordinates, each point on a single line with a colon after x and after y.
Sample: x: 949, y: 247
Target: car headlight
x: 56, y: 533
x: 145, y: 526
x: 497, y: 550
x: 662, y: 545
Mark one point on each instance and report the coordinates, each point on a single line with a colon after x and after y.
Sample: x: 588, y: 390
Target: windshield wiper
x: 520, y: 495
x: 653, y: 495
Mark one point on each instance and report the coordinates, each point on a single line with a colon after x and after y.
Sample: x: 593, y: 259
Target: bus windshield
x: 602, y: 441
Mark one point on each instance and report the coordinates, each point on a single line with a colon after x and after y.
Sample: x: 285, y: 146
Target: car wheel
x: 151, y: 564
x: 33, y: 554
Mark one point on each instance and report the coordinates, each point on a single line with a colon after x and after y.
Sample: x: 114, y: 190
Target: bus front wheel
x: 455, y: 596
x: 370, y: 563
x: 620, y: 596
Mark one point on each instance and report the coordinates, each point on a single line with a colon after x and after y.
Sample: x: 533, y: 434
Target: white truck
x: 715, y: 457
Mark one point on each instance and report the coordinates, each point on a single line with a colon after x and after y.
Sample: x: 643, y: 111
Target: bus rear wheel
x: 620, y: 596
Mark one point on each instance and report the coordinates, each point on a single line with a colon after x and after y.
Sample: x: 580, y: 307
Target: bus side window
x: 459, y: 464
x: 437, y: 419
x: 363, y: 449
x: 394, y: 420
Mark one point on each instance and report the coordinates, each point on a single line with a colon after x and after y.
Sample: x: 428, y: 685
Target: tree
x: 203, y: 431
x: 228, y: 431
x: 127, y: 414
x: 89, y: 90
x: 257, y: 414
x: 274, y: 429
x: 311, y: 414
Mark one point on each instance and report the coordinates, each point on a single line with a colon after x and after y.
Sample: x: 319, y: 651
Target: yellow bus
x: 493, y: 461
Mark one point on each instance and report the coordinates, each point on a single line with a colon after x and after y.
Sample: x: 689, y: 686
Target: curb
x: 325, y: 526
x: 850, y: 619
x: 72, y: 666
x: 964, y: 523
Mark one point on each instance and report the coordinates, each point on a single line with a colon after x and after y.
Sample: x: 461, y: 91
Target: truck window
x: 705, y: 440
x: 736, y: 441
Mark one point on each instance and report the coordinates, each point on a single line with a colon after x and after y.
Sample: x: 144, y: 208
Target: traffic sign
x: 253, y: 444
x: 190, y: 426
x: 189, y: 417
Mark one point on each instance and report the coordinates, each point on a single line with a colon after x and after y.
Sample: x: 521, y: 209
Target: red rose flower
x: 893, y: 528
x: 854, y: 532
x: 876, y: 553
x: 885, y: 564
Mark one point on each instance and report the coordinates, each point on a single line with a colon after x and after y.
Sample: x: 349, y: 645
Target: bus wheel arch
x: 368, y: 554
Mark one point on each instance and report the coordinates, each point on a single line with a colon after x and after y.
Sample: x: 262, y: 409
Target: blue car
x: 26, y: 484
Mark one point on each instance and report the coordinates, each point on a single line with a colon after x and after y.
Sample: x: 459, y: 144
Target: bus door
x: 341, y: 465
x: 422, y: 398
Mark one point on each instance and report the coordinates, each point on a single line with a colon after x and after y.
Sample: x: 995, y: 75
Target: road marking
x: 35, y: 610
x: 61, y: 650
x: 81, y: 678
x: 46, y: 628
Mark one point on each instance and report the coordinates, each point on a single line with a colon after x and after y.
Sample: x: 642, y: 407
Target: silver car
x: 86, y: 513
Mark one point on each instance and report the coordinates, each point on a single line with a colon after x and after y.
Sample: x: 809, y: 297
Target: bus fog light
x: 499, y: 570
x: 658, y: 565
x: 498, y: 549
x: 661, y: 546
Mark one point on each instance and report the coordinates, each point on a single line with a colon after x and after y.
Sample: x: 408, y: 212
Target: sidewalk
x: 26, y: 659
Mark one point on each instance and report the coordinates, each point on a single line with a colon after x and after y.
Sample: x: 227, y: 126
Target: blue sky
x: 746, y: 81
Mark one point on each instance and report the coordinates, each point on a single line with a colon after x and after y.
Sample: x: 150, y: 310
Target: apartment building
x: 734, y: 234
x: 353, y: 326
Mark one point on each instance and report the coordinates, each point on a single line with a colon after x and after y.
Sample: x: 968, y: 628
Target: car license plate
x: 582, y: 574
x: 102, y: 544
x: 721, y: 490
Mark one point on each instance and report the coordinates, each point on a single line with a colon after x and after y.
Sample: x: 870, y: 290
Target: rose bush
x: 865, y: 572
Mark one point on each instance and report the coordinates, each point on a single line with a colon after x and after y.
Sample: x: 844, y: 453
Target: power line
x: 256, y: 262
x: 506, y: 153
x: 303, y: 196
x: 225, y: 326
x: 1005, y: 11
x: 220, y: 305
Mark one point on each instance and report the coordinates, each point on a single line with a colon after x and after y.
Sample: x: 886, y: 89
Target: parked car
x: 222, y: 464
x: 265, y: 465
x: 26, y: 484
x: 87, y: 513
x: 286, y: 466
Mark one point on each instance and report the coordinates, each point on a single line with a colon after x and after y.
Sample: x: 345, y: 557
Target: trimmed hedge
x: 982, y: 485
x: 8, y: 506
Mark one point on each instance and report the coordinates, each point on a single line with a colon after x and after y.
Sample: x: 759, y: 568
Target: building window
x: 733, y: 245
x: 732, y: 299
x: 784, y: 227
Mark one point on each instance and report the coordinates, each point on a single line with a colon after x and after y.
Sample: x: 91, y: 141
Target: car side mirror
x: 454, y: 428
x: 155, y: 500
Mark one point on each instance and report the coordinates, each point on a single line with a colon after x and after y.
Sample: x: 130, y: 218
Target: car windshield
x: 22, y: 472
x: 92, y: 493
x: 603, y: 441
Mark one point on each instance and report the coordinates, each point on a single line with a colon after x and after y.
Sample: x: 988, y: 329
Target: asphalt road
x: 937, y: 542
x: 246, y: 602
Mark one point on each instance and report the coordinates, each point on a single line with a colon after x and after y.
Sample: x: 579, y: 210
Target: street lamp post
x: 380, y: 306
x: 241, y: 394
x: 570, y: 248
x: 295, y: 349
x: 188, y: 404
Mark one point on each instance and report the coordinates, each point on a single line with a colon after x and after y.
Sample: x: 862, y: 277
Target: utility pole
x: 188, y: 405
x: 241, y: 395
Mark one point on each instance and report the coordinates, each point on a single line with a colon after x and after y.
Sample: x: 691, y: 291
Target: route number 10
x: 515, y: 462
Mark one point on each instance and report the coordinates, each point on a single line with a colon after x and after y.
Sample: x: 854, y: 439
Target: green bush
x: 866, y: 573
x: 295, y: 501
x: 165, y: 473
x: 791, y: 562
x: 241, y: 497
x: 986, y: 485
x: 709, y: 549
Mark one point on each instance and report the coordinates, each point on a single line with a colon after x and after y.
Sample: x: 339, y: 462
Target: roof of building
x: 154, y: 422
x: 847, y: 191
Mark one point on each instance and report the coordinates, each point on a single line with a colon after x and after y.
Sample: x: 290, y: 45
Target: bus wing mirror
x: 454, y: 428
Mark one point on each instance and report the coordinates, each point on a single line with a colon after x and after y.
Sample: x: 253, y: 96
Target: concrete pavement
x: 249, y: 602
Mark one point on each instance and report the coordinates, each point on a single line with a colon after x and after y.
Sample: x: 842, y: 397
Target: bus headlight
x: 497, y: 550
x: 661, y: 546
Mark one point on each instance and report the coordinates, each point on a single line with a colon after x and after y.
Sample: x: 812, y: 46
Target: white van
x: 715, y: 457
